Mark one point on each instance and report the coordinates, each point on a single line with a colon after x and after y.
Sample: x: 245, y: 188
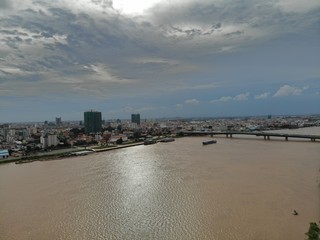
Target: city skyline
x: 207, y: 58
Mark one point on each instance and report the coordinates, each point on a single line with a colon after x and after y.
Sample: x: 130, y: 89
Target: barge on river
x: 209, y: 142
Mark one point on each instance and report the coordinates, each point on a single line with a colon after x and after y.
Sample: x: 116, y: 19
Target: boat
x: 23, y: 161
x: 149, y: 141
x: 209, y: 142
x: 82, y: 153
x: 167, y: 139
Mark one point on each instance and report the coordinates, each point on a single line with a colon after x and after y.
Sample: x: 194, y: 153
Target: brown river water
x: 239, y: 188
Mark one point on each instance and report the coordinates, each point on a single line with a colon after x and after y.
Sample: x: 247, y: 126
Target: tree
x: 106, y: 136
x: 136, y: 134
x: 10, y: 151
x: 109, y: 129
x: 314, y: 232
x: 119, y: 141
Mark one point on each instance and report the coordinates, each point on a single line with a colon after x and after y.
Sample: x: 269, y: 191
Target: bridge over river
x: 265, y: 135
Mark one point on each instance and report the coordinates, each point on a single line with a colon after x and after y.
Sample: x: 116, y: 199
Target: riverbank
x: 57, y: 156
x: 314, y: 132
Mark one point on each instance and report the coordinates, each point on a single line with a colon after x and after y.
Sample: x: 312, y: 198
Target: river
x: 237, y: 189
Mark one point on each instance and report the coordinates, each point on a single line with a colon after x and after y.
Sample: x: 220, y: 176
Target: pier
x: 265, y: 135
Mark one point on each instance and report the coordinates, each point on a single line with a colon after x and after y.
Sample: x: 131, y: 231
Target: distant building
x: 4, y: 132
x: 135, y: 118
x: 49, y: 140
x: 32, y: 130
x: 92, y: 122
x: 58, y: 121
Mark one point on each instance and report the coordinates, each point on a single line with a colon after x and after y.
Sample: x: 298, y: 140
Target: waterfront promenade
x: 58, y: 154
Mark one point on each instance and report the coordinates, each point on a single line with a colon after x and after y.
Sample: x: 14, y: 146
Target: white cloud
x: 13, y: 71
x: 179, y: 106
x: 222, y: 99
x: 241, y: 97
x: 101, y: 73
x: 262, y: 95
x: 162, y: 61
x: 192, y: 101
x: 136, y: 7
x: 287, y: 90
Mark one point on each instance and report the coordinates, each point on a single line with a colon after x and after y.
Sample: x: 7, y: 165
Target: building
x: 49, y: 140
x: 32, y: 130
x: 92, y: 122
x: 58, y: 121
x: 4, y: 133
x: 4, y: 154
x: 135, y: 118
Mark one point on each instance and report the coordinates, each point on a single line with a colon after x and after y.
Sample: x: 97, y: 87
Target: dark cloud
x: 254, y: 13
x: 91, y: 48
x: 236, y: 33
x: 60, y: 14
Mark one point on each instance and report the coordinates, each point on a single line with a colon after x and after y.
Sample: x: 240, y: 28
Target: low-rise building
x: 4, y: 153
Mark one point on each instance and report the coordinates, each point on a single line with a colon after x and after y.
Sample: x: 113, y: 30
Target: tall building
x: 58, y: 121
x: 135, y: 118
x: 92, y: 122
x: 49, y: 140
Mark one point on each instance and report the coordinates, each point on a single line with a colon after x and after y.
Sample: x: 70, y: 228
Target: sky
x: 159, y: 58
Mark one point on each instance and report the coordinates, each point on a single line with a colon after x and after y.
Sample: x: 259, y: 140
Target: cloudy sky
x: 159, y: 58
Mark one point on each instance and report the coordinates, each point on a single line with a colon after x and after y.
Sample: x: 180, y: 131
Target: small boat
x: 23, y: 161
x: 82, y: 153
x: 149, y: 141
x: 209, y: 142
x: 167, y: 139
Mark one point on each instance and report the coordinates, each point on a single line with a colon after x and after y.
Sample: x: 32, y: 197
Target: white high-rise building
x: 49, y: 140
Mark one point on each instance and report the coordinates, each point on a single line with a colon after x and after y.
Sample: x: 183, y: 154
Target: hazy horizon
x: 173, y: 118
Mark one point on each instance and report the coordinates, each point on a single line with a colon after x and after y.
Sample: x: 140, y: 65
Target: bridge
x: 265, y: 135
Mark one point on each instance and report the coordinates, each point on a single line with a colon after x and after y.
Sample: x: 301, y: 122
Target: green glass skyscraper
x: 92, y: 122
x: 135, y: 118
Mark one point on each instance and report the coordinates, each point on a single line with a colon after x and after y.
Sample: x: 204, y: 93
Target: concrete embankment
x: 117, y: 147
x: 55, y: 156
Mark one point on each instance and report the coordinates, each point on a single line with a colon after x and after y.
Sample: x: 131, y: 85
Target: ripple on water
x: 179, y: 190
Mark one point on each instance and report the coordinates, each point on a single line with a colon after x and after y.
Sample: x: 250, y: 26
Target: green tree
x: 314, y: 232
x: 136, y: 134
x: 119, y: 141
